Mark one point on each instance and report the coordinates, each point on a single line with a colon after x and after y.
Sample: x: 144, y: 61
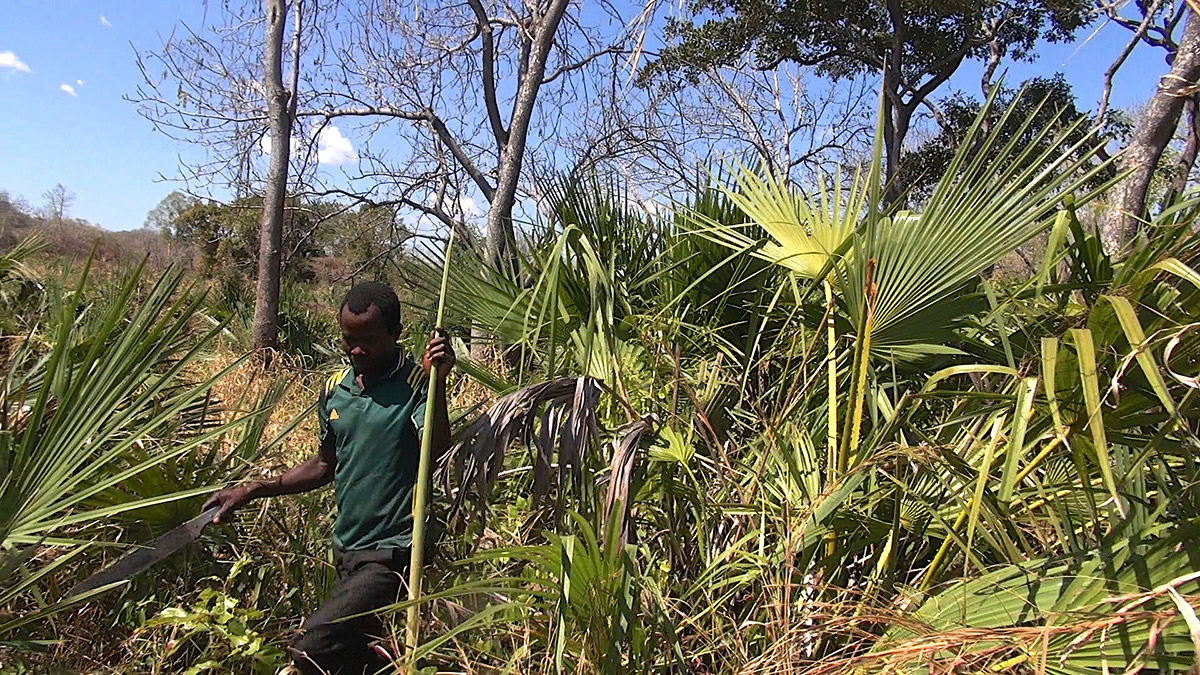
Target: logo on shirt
x: 333, y: 415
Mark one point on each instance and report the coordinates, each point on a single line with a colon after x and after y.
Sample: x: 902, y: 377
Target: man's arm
x: 315, y: 472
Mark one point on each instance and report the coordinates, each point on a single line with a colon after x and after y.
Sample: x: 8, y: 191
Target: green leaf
x: 1137, y: 342
x: 1095, y: 417
x: 1016, y: 439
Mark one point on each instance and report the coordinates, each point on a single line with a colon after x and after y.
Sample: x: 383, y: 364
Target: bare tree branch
x: 489, y: 73
x: 1138, y: 34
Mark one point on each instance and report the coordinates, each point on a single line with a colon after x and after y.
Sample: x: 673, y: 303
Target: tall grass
x: 103, y: 421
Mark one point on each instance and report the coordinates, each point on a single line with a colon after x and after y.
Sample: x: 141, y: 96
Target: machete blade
x: 146, y: 556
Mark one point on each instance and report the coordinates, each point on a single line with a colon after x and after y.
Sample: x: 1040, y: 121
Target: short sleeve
x: 325, y: 435
x: 326, y: 438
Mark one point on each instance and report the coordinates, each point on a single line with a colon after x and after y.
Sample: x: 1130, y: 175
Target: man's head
x: 370, y: 322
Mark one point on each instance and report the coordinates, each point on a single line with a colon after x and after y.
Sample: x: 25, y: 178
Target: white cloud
x: 264, y: 144
x: 10, y: 60
x: 68, y: 88
x: 79, y: 82
x: 469, y: 206
x: 105, y: 22
x: 334, y: 148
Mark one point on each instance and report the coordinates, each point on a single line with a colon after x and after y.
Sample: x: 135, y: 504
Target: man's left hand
x: 439, y: 352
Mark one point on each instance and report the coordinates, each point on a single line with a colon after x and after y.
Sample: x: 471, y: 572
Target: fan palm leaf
x: 111, y: 400
x: 994, y: 197
x: 1113, y: 601
x: 805, y: 232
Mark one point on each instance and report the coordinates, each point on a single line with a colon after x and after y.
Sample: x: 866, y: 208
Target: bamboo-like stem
x: 831, y: 433
x: 858, y: 384
x: 417, y: 562
x: 858, y: 374
x: 934, y: 567
x: 831, y: 420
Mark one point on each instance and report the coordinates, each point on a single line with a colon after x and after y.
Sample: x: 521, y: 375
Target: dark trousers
x: 366, y: 581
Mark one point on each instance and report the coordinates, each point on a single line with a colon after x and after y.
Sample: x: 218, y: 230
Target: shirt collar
x: 400, y: 361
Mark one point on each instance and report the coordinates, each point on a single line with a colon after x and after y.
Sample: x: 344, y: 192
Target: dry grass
x: 964, y: 650
x: 248, y: 382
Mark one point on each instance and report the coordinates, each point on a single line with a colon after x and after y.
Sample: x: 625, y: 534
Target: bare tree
x: 222, y: 87
x: 454, y: 106
x: 281, y: 110
x: 445, y: 103
x: 58, y: 200
x: 204, y: 85
x: 1154, y: 23
x: 463, y: 89
x: 1141, y: 32
x: 1191, y: 146
x: 1151, y: 136
x: 657, y: 138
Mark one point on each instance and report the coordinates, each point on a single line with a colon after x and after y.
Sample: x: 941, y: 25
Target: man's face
x: 367, y: 341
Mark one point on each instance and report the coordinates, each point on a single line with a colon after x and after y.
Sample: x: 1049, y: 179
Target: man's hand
x: 229, y: 499
x: 439, y: 352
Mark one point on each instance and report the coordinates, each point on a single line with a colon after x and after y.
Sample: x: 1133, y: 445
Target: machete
x: 146, y: 556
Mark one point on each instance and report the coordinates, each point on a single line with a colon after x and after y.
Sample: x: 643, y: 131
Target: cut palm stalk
x: 420, y: 499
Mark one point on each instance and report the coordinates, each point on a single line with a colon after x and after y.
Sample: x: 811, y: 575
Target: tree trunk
x: 1187, y: 159
x: 270, y: 236
x: 1150, y: 137
x: 500, y: 234
x: 896, y: 122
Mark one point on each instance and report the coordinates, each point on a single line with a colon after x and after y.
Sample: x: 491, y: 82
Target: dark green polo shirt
x: 376, y: 435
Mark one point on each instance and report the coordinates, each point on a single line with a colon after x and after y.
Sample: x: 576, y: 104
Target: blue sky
x: 66, y: 64
x: 92, y: 141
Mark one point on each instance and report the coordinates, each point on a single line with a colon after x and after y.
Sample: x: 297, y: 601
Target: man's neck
x: 364, y: 380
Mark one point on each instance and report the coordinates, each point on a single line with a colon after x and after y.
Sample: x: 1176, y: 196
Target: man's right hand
x: 229, y: 499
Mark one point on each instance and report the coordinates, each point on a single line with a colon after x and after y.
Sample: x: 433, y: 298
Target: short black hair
x: 361, y: 297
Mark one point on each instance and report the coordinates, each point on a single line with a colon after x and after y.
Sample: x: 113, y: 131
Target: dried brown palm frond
x: 625, y: 446
x: 557, y: 414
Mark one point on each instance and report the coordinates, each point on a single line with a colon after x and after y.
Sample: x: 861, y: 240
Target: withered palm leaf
x: 557, y: 414
x: 620, y: 475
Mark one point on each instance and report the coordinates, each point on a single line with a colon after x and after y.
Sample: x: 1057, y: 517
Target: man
x: 371, y: 419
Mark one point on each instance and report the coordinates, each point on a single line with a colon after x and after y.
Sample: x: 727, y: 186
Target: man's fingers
x: 439, y: 342
x: 439, y: 351
x: 220, y: 515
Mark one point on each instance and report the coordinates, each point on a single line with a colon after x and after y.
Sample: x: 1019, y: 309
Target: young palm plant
x: 108, y: 400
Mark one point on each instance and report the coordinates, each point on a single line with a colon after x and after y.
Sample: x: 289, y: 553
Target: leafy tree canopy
x: 163, y: 216
x: 1038, y: 104
x: 916, y: 45
x: 843, y: 39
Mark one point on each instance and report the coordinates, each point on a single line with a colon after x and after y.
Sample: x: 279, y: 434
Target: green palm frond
x: 108, y: 402
x: 1105, y: 605
x: 12, y: 262
x: 805, y: 232
x: 994, y: 197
